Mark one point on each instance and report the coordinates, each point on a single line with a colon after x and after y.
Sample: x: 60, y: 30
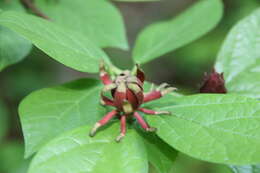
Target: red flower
x: 213, y: 83
x: 127, y: 96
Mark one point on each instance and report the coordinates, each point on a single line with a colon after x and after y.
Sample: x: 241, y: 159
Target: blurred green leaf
x: 239, y: 57
x: 166, y: 36
x: 11, y: 5
x: 11, y: 158
x: 76, y: 152
x: 69, y: 48
x: 185, y: 164
x: 3, y: 120
x: 191, y: 61
x: 160, y: 154
x: 246, y: 169
x: 13, y: 47
x: 136, y: 0
x: 105, y: 28
x: 215, y: 128
x: 49, y: 112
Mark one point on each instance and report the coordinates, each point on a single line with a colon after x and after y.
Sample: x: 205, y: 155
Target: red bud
x: 213, y: 83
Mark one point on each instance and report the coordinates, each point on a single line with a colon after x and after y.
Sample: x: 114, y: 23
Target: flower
x: 127, y: 96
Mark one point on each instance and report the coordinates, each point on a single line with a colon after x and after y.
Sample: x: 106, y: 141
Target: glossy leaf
x: 49, y: 112
x: 215, y: 128
x: 160, y: 154
x: 166, y: 36
x: 13, y: 47
x: 239, y: 57
x: 76, y: 152
x: 105, y: 28
x: 69, y: 48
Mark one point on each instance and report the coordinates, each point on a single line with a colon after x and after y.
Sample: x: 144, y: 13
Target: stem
x: 30, y: 5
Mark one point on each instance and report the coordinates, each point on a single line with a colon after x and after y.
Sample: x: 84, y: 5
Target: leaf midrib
x: 53, y: 41
x: 203, y: 105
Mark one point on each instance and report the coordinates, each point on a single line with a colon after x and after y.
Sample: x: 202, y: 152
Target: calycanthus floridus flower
x: 127, y: 97
x: 213, y: 83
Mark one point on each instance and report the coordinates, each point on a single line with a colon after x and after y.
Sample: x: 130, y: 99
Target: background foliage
x: 89, y: 30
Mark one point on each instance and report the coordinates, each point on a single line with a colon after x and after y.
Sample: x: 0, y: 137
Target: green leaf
x: 11, y: 158
x: 11, y: 5
x: 136, y: 0
x: 246, y: 169
x: 105, y: 28
x: 239, y: 57
x: 49, y: 112
x: 76, y: 152
x: 215, y: 128
x: 185, y: 164
x: 69, y: 48
x: 160, y: 154
x: 166, y: 36
x: 13, y: 47
x: 3, y: 120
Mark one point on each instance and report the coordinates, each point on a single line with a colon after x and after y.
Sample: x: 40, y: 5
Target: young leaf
x: 215, y: 128
x: 76, y: 152
x: 239, y: 57
x: 13, y: 47
x: 166, y: 36
x: 246, y: 169
x: 160, y: 154
x: 3, y: 120
x: 105, y: 29
x: 69, y: 48
x: 49, y: 112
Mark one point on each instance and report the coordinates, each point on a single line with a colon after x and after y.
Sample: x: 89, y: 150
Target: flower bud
x: 128, y: 95
x: 213, y: 83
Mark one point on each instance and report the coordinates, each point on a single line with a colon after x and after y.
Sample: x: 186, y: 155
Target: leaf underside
x: 13, y: 47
